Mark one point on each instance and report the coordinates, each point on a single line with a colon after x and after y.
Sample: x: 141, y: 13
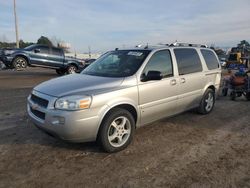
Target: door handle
x: 183, y: 80
x: 173, y: 82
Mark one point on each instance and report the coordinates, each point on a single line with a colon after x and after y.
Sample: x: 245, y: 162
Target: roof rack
x: 188, y: 44
x: 176, y: 44
x: 150, y: 46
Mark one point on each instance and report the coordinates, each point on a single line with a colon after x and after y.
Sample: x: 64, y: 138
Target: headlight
x: 73, y: 102
x: 8, y: 52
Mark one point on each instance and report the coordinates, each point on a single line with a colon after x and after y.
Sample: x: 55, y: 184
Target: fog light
x: 58, y: 120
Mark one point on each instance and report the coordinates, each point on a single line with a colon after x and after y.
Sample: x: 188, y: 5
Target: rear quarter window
x: 210, y: 59
x: 188, y: 61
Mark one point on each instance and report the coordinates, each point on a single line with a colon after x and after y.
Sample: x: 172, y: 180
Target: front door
x: 39, y: 55
x: 158, y: 98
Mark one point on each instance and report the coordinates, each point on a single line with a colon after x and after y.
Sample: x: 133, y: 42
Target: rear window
x: 57, y: 52
x: 210, y: 59
x: 188, y: 61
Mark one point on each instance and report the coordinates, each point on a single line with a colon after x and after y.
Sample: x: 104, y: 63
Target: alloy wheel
x: 119, y: 131
x: 72, y: 69
x: 209, y: 102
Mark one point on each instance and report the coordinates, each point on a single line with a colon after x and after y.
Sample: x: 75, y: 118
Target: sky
x: 107, y: 24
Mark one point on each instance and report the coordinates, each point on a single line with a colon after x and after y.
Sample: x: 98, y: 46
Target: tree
x: 44, y: 40
x: 23, y: 44
x: 55, y: 41
x: 243, y: 43
x: 244, y: 47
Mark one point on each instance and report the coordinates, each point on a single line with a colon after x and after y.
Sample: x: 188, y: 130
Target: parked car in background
x: 42, y: 56
x: 223, y: 61
x: 1, y: 63
x: 126, y: 89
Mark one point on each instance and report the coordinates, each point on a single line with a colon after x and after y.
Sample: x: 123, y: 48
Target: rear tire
x: 117, y: 130
x: 207, y: 102
x: 71, y: 69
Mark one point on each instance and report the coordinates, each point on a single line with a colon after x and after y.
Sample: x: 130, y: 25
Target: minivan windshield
x: 119, y: 63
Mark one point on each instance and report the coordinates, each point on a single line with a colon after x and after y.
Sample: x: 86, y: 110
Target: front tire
x: 20, y: 63
x: 207, y: 102
x: 117, y: 130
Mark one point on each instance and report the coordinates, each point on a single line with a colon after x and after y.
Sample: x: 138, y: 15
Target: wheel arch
x: 23, y: 56
x: 73, y: 63
x: 127, y: 106
x: 210, y: 86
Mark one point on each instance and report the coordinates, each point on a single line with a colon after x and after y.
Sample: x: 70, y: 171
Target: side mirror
x: 37, y: 50
x: 152, y: 75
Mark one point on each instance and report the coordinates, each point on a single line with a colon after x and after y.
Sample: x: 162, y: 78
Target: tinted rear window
x: 56, y: 51
x: 210, y: 59
x: 188, y: 61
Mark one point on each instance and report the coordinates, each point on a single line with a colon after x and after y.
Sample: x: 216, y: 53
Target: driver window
x: 42, y: 50
x: 160, y: 61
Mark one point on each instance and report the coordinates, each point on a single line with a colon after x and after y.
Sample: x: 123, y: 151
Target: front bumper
x: 7, y: 60
x: 73, y: 126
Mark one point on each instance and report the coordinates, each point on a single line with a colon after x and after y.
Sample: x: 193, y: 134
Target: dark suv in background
x: 42, y: 56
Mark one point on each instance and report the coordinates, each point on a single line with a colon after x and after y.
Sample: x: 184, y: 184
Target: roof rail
x: 146, y: 46
x: 188, y: 44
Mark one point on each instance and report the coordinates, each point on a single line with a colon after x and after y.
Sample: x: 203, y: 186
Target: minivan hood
x: 77, y: 84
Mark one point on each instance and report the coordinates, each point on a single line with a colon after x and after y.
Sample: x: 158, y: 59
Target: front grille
x: 41, y: 102
x: 37, y: 113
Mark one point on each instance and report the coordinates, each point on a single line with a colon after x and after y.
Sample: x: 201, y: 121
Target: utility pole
x: 16, y: 27
x: 89, y: 51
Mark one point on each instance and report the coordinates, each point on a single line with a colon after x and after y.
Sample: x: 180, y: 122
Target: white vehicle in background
x: 223, y: 61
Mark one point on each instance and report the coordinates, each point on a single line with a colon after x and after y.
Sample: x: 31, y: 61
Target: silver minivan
x: 124, y: 90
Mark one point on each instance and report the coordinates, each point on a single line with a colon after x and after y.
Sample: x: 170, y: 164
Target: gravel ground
x: 188, y: 150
